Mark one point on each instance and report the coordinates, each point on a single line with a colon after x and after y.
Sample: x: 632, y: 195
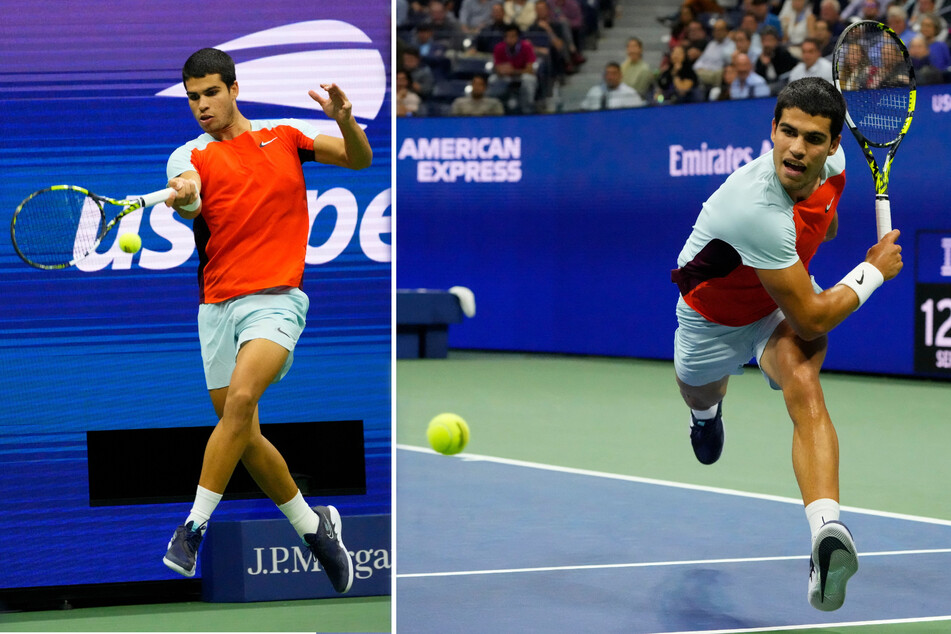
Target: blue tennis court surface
x: 488, y: 545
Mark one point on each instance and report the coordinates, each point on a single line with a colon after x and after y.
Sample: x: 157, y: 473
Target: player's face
x: 212, y: 102
x: 801, y: 145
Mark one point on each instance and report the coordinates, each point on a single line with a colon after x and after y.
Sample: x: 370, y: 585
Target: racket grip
x: 883, y: 215
x: 156, y: 197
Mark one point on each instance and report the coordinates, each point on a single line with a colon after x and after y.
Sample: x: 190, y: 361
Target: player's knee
x: 240, y: 407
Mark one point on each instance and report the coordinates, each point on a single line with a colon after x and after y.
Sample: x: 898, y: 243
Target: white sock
x: 204, y: 506
x: 302, y: 517
x: 821, y: 511
x: 705, y: 414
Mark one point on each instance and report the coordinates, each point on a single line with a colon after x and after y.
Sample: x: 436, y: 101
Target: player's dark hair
x: 816, y: 97
x: 209, y: 61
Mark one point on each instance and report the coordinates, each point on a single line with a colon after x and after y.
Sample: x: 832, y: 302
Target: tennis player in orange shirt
x: 243, y: 184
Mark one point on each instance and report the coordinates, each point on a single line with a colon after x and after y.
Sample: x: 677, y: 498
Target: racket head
x: 53, y: 228
x: 873, y: 71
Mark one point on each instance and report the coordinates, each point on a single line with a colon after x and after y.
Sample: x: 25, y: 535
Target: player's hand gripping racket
x: 872, y: 70
x: 58, y: 226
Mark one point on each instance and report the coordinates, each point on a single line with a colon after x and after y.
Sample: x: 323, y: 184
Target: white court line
x: 815, y: 626
x: 669, y: 483
x: 657, y: 564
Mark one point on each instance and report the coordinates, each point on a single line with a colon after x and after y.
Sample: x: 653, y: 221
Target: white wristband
x: 863, y: 279
x: 192, y: 206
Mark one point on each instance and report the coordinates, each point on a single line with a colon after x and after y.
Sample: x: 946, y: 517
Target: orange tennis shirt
x: 253, y: 229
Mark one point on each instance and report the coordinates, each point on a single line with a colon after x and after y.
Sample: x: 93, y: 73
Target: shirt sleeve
x: 180, y: 162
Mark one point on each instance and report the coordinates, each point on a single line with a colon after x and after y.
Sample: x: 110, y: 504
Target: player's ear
x: 835, y: 145
x: 772, y: 133
x: 233, y: 89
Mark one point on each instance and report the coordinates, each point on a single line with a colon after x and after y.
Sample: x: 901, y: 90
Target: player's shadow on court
x: 699, y: 597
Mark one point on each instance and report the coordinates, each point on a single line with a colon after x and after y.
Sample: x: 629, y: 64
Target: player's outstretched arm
x: 353, y: 150
x: 812, y: 314
x: 187, y: 199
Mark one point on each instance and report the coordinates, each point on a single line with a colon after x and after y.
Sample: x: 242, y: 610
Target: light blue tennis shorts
x: 705, y: 352
x: 276, y: 314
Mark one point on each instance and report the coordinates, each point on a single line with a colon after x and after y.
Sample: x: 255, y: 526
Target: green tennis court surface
x: 359, y: 614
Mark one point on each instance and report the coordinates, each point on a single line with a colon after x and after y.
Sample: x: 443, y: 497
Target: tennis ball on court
x: 130, y: 242
x: 448, y: 434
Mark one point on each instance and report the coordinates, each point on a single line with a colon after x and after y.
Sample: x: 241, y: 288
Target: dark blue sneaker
x: 706, y: 436
x: 834, y: 560
x: 183, y: 549
x: 327, y: 546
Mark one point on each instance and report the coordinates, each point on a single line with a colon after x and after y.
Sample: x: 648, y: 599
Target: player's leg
x: 257, y: 363
x: 255, y: 368
x: 320, y: 528
x: 262, y: 459
x: 705, y: 355
x: 794, y: 365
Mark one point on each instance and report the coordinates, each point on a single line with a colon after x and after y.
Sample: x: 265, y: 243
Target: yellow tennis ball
x: 130, y: 242
x: 448, y: 434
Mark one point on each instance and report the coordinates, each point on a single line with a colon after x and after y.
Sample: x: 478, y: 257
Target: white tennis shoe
x: 834, y: 560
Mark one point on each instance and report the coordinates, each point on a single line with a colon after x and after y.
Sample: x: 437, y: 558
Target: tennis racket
x: 872, y: 70
x: 58, y: 226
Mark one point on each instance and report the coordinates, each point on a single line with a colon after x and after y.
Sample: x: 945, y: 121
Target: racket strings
x: 875, y: 78
x: 56, y: 227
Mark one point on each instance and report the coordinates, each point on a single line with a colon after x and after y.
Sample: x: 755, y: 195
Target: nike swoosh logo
x: 330, y: 529
x: 858, y: 281
x: 287, y: 335
x: 263, y: 143
x: 828, y: 546
x: 829, y: 206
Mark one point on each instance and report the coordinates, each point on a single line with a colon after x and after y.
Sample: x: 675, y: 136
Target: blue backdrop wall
x: 566, y: 227
x: 90, y: 94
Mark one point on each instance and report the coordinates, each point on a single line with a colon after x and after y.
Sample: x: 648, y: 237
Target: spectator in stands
x: 558, y: 34
x: 635, y: 71
x: 420, y: 75
x: 864, y: 10
x: 424, y: 41
x: 514, y: 70
x: 493, y: 32
x: 925, y: 70
x: 477, y: 103
x: 774, y: 61
x: 743, y: 44
x: 928, y: 7
x: 612, y: 93
x: 831, y: 12
x: 721, y: 92
x: 446, y: 29
x: 748, y: 23
x: 696, y: 35
x: 520, y: 12
x: 897, y: 19
x: 813, y: 64
x: 415, y: 14
x: 716, y: 55
x: 937, y: 50
x: 550, y: 50
x: 747, y: 83
x: 570, y: 11
x: 798, y: 23
x: 765, y: 17
x: 678, y: 83
x: 678, y: 30
x: 474, y: 15
x: 408, y: 103
x: 823, y: 34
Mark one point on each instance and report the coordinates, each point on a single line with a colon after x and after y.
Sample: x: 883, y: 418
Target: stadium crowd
x: 485, y: 57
